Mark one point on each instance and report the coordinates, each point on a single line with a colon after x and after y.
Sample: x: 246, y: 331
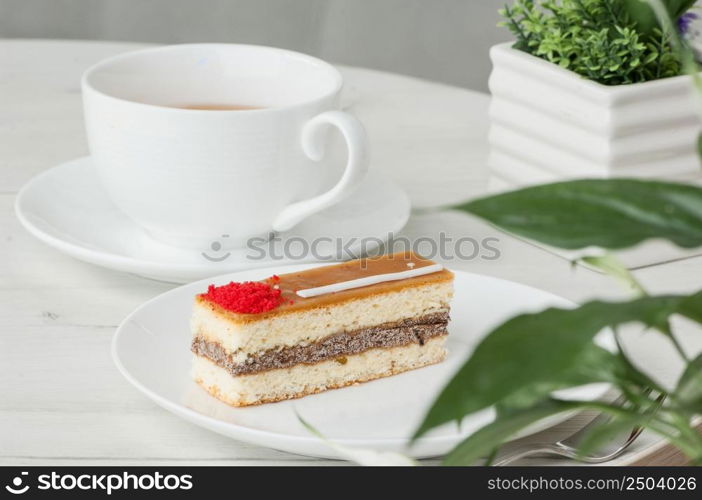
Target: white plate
x: 152, y: 350
x: 67, y: 208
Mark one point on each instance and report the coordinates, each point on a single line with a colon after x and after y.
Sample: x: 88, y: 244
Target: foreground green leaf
x: 615, y: 213
x: 689, y: 388
x: 691, y: 307
x: 602, y: 434
x: 483, y: 441
x: 629, y: 372
x: 645, y: 18
x: 533, y: 353
x: 609, y: 264
x: 594, y: 364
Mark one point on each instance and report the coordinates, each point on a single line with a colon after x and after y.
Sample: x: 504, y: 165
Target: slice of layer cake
x: 328, y: 327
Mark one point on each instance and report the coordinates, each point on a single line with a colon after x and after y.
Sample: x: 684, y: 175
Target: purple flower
x: 685, y: 21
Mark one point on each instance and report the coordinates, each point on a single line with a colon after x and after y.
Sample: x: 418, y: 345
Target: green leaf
x: 645, y: 18
x: 629, y: 372
x: 609, y: 264
x: 614, y: 213
x: 483, y: 441
x: 691, y: 307
x: 641, y: 14
x: 595, y: 364
x: 677, y: 8
x: 535, y: 352
x: 605, y: 433
x: 688, y: 392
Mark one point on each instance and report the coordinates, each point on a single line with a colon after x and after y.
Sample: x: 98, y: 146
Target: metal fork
x: 568, y: 447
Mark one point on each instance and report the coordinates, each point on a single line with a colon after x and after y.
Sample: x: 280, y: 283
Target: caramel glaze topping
x: 346, y: 271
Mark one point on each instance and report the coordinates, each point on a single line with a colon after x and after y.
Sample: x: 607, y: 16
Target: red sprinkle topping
x: 250, y: 297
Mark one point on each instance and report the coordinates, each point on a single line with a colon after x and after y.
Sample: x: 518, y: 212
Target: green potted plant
x: 591, y: 88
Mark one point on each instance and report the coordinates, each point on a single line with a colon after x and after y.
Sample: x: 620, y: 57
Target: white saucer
x: 152, y: 350
x: 66, y: 208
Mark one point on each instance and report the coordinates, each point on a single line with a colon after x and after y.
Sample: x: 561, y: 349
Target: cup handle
x: 313, y: 145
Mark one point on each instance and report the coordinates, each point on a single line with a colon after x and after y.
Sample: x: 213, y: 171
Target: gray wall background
x: 443, y: 40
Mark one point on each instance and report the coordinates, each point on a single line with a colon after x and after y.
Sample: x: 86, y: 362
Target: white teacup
x: 190, y: 176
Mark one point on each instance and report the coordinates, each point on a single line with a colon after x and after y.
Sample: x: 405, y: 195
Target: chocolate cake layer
x: 408, y: 331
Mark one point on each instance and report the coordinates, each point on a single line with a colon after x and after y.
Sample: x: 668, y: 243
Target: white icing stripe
x: 369, y: 280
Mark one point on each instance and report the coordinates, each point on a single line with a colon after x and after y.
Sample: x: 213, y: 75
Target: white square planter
x: 548, y: 123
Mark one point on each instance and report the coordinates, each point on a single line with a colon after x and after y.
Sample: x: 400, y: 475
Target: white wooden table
x: 61, y: 399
